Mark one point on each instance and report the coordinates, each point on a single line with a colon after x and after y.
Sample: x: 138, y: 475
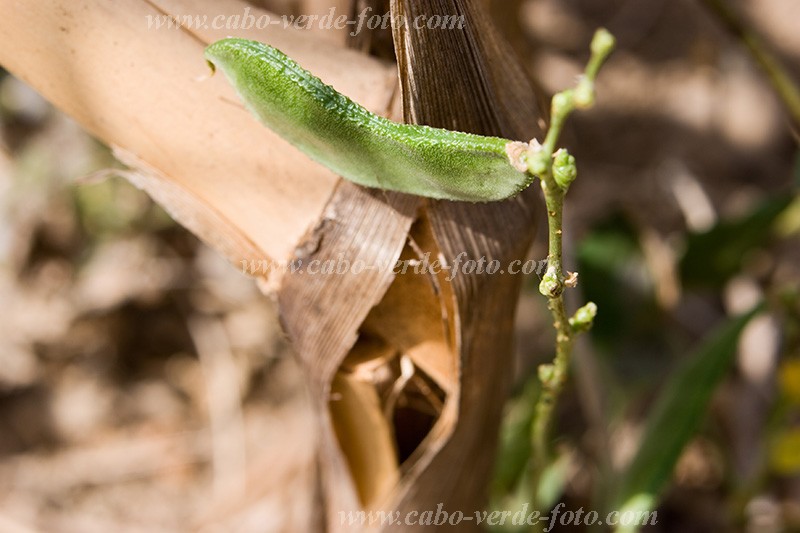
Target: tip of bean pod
x: 517, y: 153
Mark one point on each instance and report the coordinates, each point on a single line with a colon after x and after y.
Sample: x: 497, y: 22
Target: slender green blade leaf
x: 676, y: 416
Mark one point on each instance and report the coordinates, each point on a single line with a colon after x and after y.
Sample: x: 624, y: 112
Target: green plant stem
x: 555, y: 183
x: 780, y: 79
x: 552, y: 376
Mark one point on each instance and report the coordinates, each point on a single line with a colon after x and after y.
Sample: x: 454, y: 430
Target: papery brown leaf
x: 252, y: 196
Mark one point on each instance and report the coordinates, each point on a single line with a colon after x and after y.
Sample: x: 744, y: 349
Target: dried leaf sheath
x: 467, y: 80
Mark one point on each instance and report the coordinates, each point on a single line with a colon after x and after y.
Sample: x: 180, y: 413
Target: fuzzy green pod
x: 361, y: 146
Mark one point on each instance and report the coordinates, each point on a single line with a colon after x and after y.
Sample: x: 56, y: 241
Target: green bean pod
x: 360, y: 146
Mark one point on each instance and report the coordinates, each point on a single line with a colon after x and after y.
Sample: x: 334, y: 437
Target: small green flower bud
x: 550, y: 285
x: 546, y: 373
x: 603, y: 43
x: 583, y: 318
x: 537, y: 160
x: 563, y: 103
x: 564, y: 168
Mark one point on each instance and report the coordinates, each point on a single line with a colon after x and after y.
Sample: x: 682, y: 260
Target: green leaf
x: 676, y: 416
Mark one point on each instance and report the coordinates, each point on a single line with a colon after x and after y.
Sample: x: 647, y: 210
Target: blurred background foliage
x: 137, y: 367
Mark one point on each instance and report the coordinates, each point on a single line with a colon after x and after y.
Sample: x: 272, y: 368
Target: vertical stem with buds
x: 556, y: 171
